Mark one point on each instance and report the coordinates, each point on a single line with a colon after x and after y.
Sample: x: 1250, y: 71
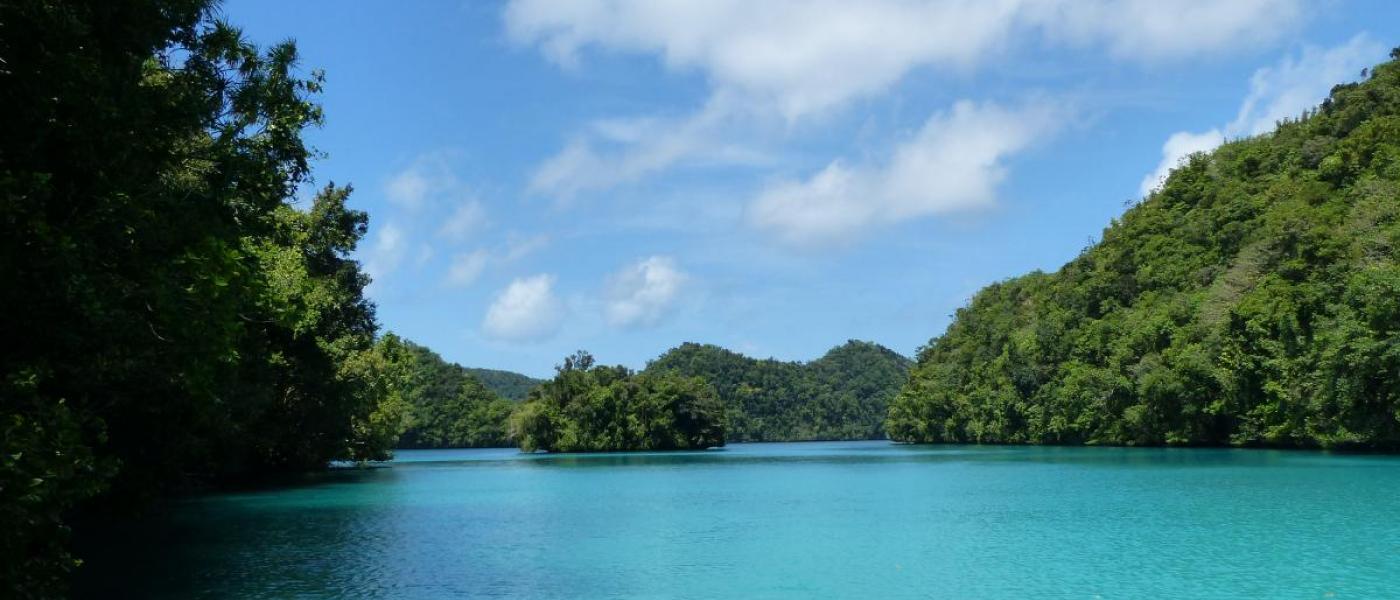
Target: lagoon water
x: 805, y: 520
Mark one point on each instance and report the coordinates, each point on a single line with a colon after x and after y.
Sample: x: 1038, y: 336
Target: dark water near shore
x: 808, y: 520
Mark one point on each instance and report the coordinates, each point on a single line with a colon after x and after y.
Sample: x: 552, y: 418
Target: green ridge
x: 1253, y: 300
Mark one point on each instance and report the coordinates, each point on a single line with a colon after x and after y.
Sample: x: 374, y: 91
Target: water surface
x: 808, y: 520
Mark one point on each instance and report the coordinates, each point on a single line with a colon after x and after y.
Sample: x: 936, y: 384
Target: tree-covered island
x: 593, y: 408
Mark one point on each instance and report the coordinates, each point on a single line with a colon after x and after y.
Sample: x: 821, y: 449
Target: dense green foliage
x: 1253, y: 300
x: 171, y: 318
x: 588, y: 408
x: 448, y: 406
x: 840, y: 396
x: 506, y: 384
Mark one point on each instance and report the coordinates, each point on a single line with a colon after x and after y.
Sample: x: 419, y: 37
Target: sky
x: 776, y: 177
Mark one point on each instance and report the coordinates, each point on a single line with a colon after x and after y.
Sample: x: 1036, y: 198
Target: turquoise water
x: 809, y: 520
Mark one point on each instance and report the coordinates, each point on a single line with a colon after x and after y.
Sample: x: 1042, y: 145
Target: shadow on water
x: 268, y: 517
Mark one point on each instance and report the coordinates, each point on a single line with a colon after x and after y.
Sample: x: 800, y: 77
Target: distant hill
x: 507, y: 384
x: 1253, y: 300
x: 840, y: 396
x: 451, y: 406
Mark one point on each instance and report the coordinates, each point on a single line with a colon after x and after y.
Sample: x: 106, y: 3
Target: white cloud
x: 1287, y: 89
x: 800, y: 56
x: 804, y: 56
x: 954, y: 163
x: 430, y: 199
x: 643, y: 293
x: 619, y: 151
x: 1283, y: 91
x: 789, y: 60
x: 464, y: 220
x: 1157, y: 30
x: 527, y: 310
x: 1179, y: 146
x: 466, y: 268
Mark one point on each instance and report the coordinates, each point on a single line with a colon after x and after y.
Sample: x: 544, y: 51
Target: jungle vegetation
x: 506, y: 384
x: 174, y: 316
x: 841, y: 396
x: 592, y: 408
x: 1253, y: 300
x: 448, y: 406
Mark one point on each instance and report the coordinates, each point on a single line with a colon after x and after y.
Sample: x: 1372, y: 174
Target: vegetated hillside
x: 506, y: 384
x: 840, y: 396
x: 448, y: 406
x: 588, y: 408
x: 1253, y: 300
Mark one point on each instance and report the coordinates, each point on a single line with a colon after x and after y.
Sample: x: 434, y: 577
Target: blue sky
x: 544, y: 176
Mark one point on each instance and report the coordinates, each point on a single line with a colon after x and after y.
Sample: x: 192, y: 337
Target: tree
x: 448, y: 406
x: 172, y: 318
x: 1249, y: 301
x: 842, y: 395
x: 589, y: 408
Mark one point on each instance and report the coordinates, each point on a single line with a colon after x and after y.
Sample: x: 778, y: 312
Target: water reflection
x: 888, y: 452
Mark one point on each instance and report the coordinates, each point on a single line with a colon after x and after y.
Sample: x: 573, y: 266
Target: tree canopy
x: 448, y: 406
x: 1252, y: 300
x: 590, y: 408
x: 840, y: 396
x: 174, y: 316
x: 506, y: 384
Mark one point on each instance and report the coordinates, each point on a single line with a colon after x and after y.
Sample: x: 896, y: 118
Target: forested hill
x: 842, y: 395
x: 450, y: 406
x: 506, y: 384
x: 1253, y: 300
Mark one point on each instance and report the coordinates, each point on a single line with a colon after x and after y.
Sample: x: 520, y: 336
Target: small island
x: 590, y: 408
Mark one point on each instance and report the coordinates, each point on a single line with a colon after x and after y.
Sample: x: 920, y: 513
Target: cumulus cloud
x: 643, y: 293
x: 789, y: 60
x: 805, y: 56
x: 466, y: 268
x: 954, y: 163
x: 1279, y: 92
x: 527, y: 310
x: 1157, y: 30
x: 801, y: 56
